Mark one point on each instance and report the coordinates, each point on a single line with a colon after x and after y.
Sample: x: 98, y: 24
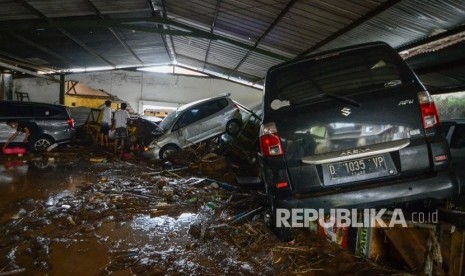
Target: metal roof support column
x: 217, y: 9
x: 62, y: 89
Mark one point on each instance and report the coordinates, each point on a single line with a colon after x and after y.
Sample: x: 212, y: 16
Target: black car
x: 351, y: 128
x: 54, y: 120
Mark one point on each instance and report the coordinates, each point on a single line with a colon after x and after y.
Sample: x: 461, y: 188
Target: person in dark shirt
x: 30, y: 129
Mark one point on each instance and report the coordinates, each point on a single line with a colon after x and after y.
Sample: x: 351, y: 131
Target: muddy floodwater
x: 79, y: 213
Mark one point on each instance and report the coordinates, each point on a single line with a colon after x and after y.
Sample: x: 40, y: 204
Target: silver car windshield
x: 169, y: 120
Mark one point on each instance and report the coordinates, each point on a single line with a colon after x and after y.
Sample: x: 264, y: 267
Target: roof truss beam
x: 387, y: 5
x: 272, y: 25
x: 40, y: 47
x: 131, y: 24
x: 25, y: 71
x: 124, y: 44
x: 63, y: 31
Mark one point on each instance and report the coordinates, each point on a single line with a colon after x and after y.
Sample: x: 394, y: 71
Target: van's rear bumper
x: 442, y: 186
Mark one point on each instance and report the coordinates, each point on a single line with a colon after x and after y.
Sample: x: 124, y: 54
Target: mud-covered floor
x: 74, y: 212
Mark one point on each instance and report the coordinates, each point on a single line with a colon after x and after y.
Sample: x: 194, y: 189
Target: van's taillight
x: 282, y: 185
x: 429, y: 112
x: 70, y: 122
x: 270, y: 143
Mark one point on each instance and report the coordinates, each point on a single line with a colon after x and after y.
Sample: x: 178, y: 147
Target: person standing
x: 106, y: 124
x: 30, y: 129
x: 120, y: 127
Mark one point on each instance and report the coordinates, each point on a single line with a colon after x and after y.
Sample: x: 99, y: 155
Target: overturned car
x: 193, y: 123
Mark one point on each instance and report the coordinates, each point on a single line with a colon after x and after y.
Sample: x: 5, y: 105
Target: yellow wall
x: 87, y: 102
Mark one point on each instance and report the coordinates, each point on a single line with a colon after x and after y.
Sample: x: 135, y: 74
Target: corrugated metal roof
x: 309, y: 22
x: 228, y: 38
x: 58, y: 8
x: 405, y: 23
x: 216, y: 55
x: 257, y: 64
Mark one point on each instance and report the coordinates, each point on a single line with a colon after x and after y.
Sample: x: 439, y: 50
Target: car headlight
x: 153, y: 144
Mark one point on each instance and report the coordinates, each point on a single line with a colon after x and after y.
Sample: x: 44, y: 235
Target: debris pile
x: 132, y: 218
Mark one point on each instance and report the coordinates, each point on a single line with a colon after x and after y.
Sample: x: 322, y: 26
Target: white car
x: 193, y: 123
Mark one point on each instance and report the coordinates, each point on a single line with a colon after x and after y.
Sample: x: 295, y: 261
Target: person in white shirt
x: 120, y: 126
x: 106, y: 124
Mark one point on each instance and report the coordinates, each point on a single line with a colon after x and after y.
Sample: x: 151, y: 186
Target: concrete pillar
x: 6, y: 86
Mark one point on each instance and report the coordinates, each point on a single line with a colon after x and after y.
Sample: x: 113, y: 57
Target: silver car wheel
x: 233, y: 127
x: 168, y: 150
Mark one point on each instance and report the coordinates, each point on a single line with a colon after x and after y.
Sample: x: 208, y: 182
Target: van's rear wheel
x: 284, y: 234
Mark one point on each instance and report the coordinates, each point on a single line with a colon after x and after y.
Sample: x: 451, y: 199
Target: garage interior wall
x: 38, y: 89
x: 138, y: 86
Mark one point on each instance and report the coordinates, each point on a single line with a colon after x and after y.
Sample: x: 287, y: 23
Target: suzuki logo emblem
x: 346, y: 111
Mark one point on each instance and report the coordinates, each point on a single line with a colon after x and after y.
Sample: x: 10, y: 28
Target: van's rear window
x: 339, y: 74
